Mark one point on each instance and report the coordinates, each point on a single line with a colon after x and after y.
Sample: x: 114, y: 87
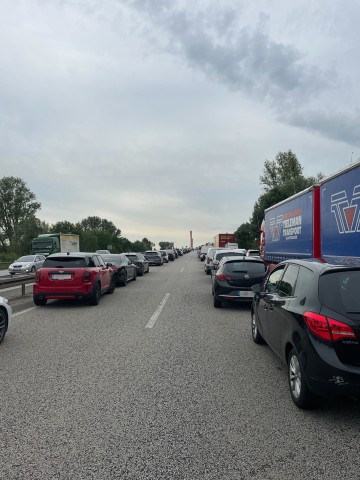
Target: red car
x: 73, y: 275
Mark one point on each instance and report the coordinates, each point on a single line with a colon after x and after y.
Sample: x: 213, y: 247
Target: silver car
x: 27, y: 264
x: 5, y: 317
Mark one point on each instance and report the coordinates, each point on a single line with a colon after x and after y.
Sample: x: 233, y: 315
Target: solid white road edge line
x: 157, y: 312
x: 23, y: 311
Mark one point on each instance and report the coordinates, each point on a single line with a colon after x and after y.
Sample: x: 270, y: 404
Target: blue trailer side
x: 340, y: 217
x: 290, y: 227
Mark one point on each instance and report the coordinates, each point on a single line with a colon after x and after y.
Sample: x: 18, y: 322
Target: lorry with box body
x: 321, y: 222
x: 221, y: 239
x: 49, y: 243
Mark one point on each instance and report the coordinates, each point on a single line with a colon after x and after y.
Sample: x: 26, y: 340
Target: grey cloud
x: 335, y: 125
x: 245, y: 58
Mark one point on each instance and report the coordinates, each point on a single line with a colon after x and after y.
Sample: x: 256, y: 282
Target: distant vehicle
x: 75, y: 275
x: 203, y: 251
x: 212, y: 251
x: 308, y: 312
x: 5, y: 317
x: 27, y: 264
x: 164, y: 255
x: 124, y: 269
x: 154, y: 257
x: 231, y: 245
x: 235, y: 277
x: 219, y: 254
x: 253, y: 253
x: 103, y: 252
x: 170, y: 254
x: 221, y: 239
x: 141, y: 263
x: 49, y: 243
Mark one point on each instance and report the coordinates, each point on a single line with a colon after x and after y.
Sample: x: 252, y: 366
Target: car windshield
x: 65, y: 262
x: 132, y: 257
x: 113, y: 259
x: 339, y: 291
x: 218, y: 256
x: 28, y: 258
x: 151, y: 253
x: 245, y: 267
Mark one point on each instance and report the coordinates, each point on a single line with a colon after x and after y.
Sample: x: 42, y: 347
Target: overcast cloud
x: 158, y: 115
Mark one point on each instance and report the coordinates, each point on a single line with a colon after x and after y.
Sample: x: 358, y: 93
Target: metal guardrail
x: 21, y: 282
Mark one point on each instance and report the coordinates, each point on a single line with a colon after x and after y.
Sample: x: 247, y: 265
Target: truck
x: 221, y: 239
x: 321, y: 222
x: 48, y: 243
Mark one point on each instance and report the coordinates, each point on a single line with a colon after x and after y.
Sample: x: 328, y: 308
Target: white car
x: 5, y: 317
x: 27, y: 264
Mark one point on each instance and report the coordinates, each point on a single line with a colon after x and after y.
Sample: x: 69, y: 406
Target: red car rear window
x: 64, y: 262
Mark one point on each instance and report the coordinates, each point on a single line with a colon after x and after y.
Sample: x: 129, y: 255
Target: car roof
x: 319, y: 266
x: 72, y: 254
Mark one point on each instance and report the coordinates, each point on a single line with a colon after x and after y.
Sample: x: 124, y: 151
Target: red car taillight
x: 86, y: 276
x: 37, y: 276
x: 222, y: 277
x: 328, y: 328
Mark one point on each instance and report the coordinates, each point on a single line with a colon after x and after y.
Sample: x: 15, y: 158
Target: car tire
x: 257, y: 338
x: 135, y: 275
x: 3, y: 325
x: 94, y: 298
x: 141, y: 272
x: 33, y: 269
x: 123, y: 281
x: 300, y: 393
x: 217, y: 303
x: 207, y: 272
x: 112, y: 286
x: 40, y: 302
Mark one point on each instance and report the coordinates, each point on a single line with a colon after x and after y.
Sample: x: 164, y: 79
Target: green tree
x: 25, y: 232
x: 64, y: 227
x: 148, y: 244
x: 17, y: 205
x: 246, y: 236
x: 165, y: 245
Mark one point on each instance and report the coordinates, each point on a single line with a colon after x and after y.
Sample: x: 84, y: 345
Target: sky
x: 158, y: 115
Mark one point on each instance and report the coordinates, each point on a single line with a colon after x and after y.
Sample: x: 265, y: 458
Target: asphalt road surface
x: 155, y: 383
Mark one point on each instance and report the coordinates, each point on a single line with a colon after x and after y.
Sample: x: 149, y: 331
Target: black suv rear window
x: 65, y: 262
x: 245, y: 267
x: 340, y: 291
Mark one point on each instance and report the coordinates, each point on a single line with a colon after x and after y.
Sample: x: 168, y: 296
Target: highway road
x: 155, y: 383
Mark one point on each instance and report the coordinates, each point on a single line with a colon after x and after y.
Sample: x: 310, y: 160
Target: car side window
x: 303, y: 283
x: 99, y: 261
x: 288, y: 281
x: 273, y: 280
x: 91, y: 262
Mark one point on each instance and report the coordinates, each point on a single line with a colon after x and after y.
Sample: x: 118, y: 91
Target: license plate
x: 61, y: 276
x: 245, y: 293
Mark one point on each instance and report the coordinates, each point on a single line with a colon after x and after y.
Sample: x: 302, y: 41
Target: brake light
x: 222, y: 277
x: 328, y: 328
x: 37, y: 276
x: 86, y: 276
